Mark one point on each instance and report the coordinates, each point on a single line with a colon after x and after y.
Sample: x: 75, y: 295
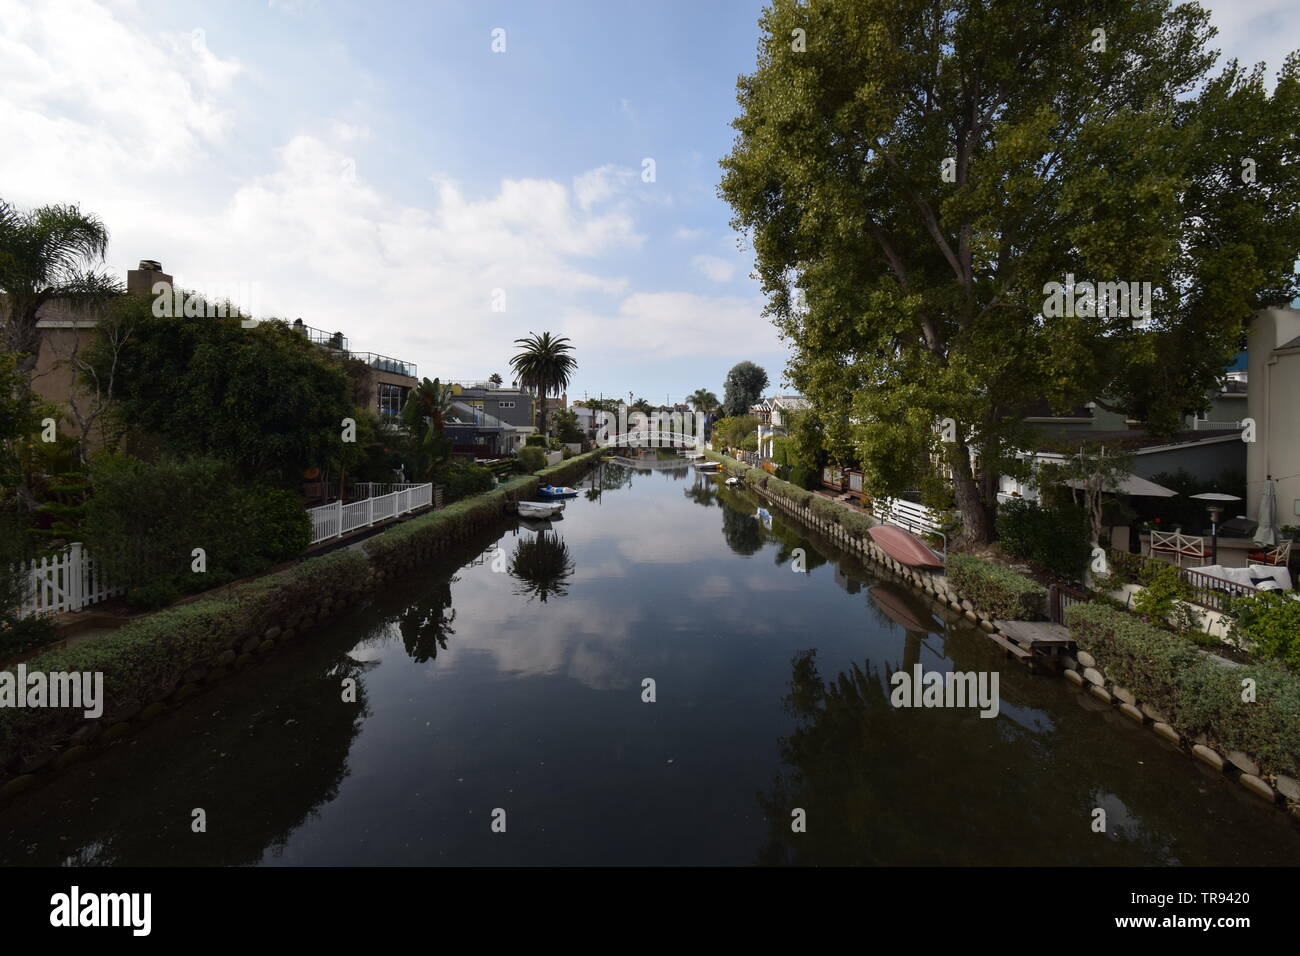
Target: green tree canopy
x: 916, y: 172
x: 742, y: 389
x: 263, y: 398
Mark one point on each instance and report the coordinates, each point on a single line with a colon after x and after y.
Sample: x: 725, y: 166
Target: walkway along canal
x: 509, y: 675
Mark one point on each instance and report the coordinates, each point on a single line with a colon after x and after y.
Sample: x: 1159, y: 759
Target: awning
x: 1133, y: 485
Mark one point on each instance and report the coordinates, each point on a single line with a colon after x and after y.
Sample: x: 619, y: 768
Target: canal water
x: 507, y: 683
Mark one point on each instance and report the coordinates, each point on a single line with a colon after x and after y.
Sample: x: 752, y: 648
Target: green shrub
x: 1054, y: 539
x: 804, y: 477
x: 1126, y: 567
x: 531, y: 459
x: 1269, y: 624
x: 996, y: 590
x: 568, y: 453
x: 1197, y: 694
x: 1161, y: 600
x: 460, y: 479
x: 145, y: 519
x: 536, y: 440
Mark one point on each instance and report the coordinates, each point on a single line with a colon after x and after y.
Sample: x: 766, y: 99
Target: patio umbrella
x: 1266, y: 533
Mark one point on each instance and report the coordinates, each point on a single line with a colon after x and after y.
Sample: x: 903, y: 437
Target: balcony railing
x: 385, y: 363
x: 339, y: 343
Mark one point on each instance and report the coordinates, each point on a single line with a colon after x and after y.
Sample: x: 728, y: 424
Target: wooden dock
x: 1036, y: 640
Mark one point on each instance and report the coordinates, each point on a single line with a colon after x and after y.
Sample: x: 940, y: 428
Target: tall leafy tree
x: 264, y: 398
x: 913, y: 174
x: 47, y: 254
x: 743, y: 388
x: 544, y: 365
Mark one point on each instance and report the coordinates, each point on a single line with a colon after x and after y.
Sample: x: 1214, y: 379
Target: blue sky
x: 375, y: 168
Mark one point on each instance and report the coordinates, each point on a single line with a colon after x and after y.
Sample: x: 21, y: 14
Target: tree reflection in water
x: 542, y: 566
x: 425, y: 624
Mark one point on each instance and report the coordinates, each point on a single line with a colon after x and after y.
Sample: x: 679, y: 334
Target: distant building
x: 511, y: 406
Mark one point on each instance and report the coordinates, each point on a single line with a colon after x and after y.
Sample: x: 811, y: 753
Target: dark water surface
x: 512, y: 679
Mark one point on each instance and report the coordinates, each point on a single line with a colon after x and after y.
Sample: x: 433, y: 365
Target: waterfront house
x: 775, y: 418
x: 509, y: 406
x: 1273, y: 404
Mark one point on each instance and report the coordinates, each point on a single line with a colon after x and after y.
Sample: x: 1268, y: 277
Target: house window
x: 505, y: 404
x: 391, y: 399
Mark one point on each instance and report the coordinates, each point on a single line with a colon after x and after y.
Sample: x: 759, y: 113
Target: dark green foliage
x: 531, y: 458
x: 26, y: 633
x: 1054, y: 539
x: 538, y: 441
x: 460, y: 479
x: 264, y: 399
x: 1197, y: 694
x: 1269, y: 623
x: 145, y: 519
x: 998, y: 591
x: 743, y: 388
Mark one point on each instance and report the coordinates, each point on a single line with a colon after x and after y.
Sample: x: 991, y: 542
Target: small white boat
x: 709, y: 466
x: 733, y: 481
x: 539, y: 509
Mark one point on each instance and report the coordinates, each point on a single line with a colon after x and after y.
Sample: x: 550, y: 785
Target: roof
x: 476, y: 418
x: 1135, y: 439
x: 1293, y: 344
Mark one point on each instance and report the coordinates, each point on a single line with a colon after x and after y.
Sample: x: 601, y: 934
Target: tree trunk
x: 976, y: 516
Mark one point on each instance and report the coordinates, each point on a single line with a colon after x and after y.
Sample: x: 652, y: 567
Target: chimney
x: 141, y: 281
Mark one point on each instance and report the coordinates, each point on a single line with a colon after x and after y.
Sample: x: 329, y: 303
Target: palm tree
x: 46, y: 255
x: 545, y: 366
x: 702, y: 400
x: 542, y: 566
x: 424, y: 416
x: 494, y: 379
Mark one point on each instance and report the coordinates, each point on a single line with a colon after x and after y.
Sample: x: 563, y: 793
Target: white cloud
x: 713, y: 268
x: 690, y: 235
x: 679, y: 324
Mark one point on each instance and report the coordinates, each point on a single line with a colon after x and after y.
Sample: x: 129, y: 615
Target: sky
x: 378, y: 169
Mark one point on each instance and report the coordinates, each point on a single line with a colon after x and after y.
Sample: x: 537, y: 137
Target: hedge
x: 996, y: 590
x: 1199, y: 695
x: 147, y: 658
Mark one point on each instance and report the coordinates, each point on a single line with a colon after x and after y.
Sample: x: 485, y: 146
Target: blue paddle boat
x: 556, y: 491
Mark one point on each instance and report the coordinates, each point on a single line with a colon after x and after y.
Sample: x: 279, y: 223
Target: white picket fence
x: 910, y: 515
x: 330, y: 521
x: 68, y: 581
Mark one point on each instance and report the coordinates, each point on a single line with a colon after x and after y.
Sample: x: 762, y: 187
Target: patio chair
x: 1178, y: 544
x: 1279, y: 556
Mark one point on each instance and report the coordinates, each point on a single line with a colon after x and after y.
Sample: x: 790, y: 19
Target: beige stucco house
x: 1273, y: 399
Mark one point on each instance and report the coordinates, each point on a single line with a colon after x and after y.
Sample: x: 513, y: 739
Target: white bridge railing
x: 67, y: 581
x: 333, y: 520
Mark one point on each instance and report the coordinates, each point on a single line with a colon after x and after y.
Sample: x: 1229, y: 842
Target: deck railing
x: 333, y: 520
x: 1207, y: 590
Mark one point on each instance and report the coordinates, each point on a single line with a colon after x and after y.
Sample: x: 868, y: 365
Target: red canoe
x: 904, y: 547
